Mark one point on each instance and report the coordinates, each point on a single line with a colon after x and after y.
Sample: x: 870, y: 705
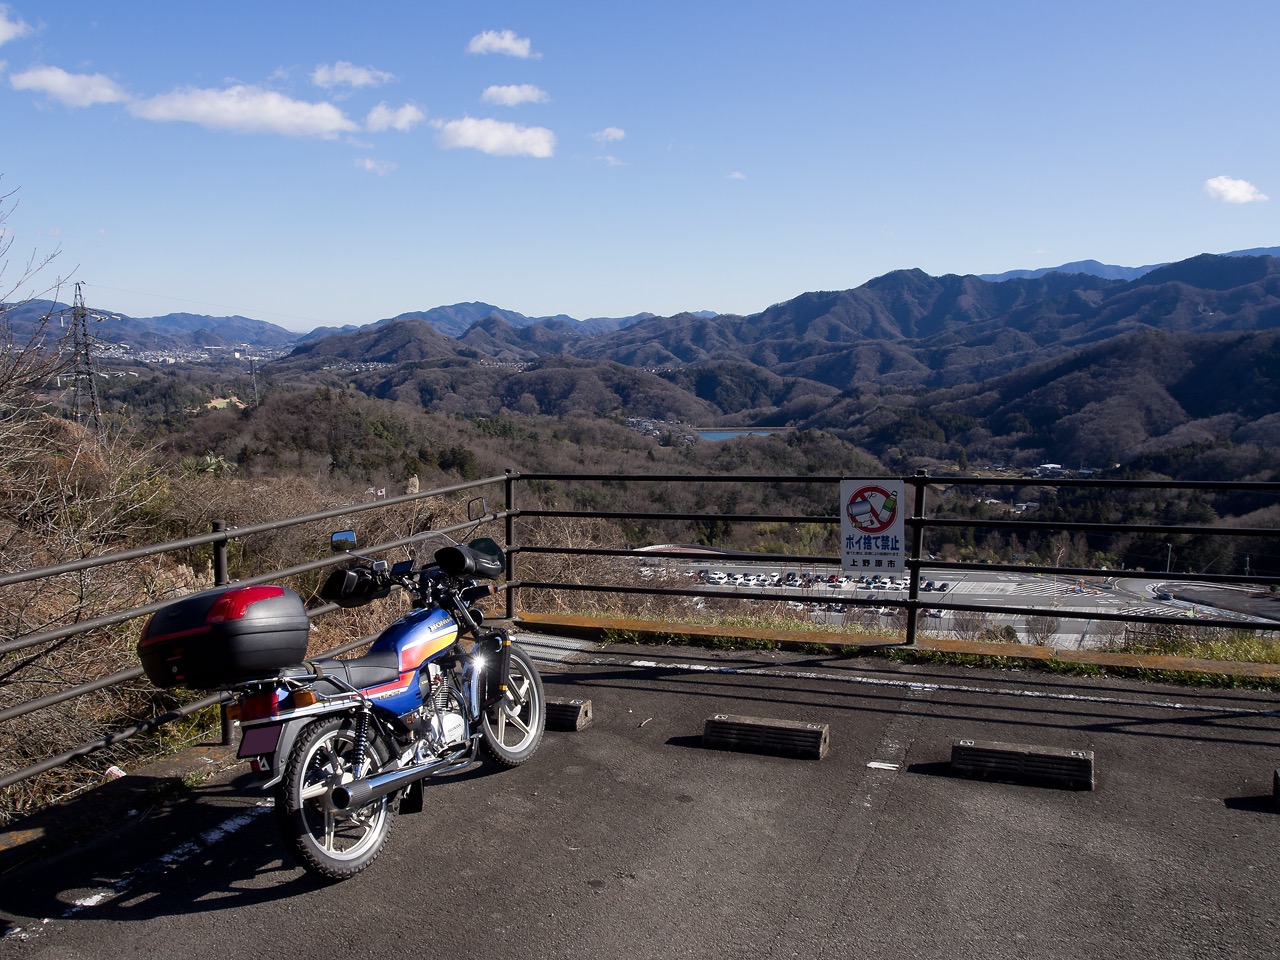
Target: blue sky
x: 325, y: 163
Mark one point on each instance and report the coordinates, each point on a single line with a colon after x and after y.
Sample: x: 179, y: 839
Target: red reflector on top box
x: 215, y: 638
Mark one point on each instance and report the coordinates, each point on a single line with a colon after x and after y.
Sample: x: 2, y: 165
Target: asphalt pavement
x: 631, y: 838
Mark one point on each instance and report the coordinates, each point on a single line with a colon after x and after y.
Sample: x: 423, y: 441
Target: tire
x: 332, y: 843
x: 512, y: 728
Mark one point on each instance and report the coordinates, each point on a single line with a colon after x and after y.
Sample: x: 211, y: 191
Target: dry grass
x: 1203, y: 643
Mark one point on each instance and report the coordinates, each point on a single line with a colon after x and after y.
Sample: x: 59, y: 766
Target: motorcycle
x: 347, y: 745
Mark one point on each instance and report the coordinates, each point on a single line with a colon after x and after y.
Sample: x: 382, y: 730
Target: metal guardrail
x: 219, y: 537
x: 918, y: 525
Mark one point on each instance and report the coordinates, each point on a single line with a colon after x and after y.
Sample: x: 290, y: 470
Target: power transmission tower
x: 86, y: 408
x: 253, y: 374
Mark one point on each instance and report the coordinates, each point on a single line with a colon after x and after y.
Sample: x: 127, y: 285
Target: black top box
x: 215, y: 638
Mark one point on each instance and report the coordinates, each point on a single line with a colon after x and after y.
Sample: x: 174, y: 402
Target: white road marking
x: 164, y: 862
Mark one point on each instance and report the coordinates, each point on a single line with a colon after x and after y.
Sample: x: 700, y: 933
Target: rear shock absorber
x: 363, y: 719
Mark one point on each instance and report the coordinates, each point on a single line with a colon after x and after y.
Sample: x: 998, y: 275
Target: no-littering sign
x: 872, y: 527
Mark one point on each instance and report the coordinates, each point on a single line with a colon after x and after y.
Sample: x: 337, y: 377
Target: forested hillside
x: 940, y: 373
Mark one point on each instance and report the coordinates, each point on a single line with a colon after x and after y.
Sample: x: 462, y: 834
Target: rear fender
x: 284, y: 746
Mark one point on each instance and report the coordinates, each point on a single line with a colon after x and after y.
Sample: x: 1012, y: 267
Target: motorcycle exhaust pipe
x: 356, y: 794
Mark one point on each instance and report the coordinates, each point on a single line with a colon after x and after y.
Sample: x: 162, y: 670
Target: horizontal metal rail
x: 872, y: 602
x: 233, y: 533
x: 708, y: 555
x: 917, y: 523
x: 109, y: 740
x: 1250, y: 486
x: 123, y: 616
x: 519, y: 485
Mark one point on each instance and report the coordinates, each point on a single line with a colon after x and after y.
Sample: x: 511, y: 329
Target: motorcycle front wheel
x: 513, y: 726
x: 330, y: 842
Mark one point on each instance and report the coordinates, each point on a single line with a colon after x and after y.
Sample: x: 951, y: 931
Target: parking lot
x: 630, y: 838
x: 1069, y: 604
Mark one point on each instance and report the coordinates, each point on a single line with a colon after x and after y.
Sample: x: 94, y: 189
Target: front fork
x: 487, y: 670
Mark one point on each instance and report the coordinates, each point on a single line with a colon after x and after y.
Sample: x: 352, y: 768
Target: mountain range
x: 905, y: 329
x: 1111, y: 271
x: 1081, y: 367
x: 188, y: 330
x: 919, y: 370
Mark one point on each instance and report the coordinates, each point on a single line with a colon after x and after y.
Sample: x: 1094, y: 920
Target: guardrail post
x: 220, y: 576
x: 510, y: 485
x: 228, y: 728
x: 917, y: 548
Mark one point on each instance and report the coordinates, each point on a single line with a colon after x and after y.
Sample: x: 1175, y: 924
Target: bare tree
x: 1109, y: 635
x: 16, y: 286
x: 1042, y: 628
x: 970, y: 625
x: 29, y: 357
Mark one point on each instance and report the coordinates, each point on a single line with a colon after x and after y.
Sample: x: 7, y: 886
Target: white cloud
x: 1231, y: 190
x: 514, y: 94
x: 343, y: 74
x: 380, y: 167
x: 737, y: 175
x: 502, y: 41
x: 11, y: 29
x: 403, y: 118
x: 608, y: 135
x: 72, y: 89
x: 496, y: 137
x: 612, y: 161
x: 245, y: 109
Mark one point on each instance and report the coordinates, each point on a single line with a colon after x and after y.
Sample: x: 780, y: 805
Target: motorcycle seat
x: 367, y: 671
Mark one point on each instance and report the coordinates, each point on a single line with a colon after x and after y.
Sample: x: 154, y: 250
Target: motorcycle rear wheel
x: 332, y: 843
x: 512, y: 728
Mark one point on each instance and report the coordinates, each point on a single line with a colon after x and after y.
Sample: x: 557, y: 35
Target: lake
x: 730, y: 434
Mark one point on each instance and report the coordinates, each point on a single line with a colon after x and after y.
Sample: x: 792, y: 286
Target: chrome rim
x: 514, y: 721
x: 339, y: 834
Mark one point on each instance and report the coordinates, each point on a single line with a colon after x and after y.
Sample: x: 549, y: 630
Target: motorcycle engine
x: 440, y: 718
x: 449, y: 728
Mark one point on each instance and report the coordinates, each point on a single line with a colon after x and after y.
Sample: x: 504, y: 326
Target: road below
x: 1069, y: 605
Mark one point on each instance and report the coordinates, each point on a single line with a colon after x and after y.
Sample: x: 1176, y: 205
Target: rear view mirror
x: 477, y: 509
x: 343, y: 541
